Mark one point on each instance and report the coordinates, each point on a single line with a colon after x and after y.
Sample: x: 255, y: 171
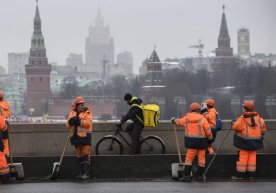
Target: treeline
x: 255, y: 81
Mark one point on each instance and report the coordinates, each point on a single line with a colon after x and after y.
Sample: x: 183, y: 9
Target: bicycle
x: 112, y: 145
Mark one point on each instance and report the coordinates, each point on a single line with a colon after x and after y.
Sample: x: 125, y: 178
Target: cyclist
x: 135, y: 114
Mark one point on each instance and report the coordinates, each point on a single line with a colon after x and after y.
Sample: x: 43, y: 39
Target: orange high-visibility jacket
x: 82, y: 133
x: 3, y: 129
x: 5, y: 112
x: 211, y: 117
x: 197, y: 130
x: 249, y: 128
x: 5, y: 109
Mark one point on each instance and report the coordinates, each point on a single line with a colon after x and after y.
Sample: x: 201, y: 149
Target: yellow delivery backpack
x: 151, y: 114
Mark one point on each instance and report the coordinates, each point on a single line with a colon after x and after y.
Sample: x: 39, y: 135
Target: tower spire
x: 223, y: 27
x: 99, y: 19
x: 37, y: 38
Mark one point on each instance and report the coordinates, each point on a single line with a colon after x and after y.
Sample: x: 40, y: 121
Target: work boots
x: 86, y: 171
x: 80, y: 160
x: 239, y: 176
x: 250, y: 175
x: 199, y: 173
x: 7, y: 179
x: 81, y: 172
x: 187, y: 174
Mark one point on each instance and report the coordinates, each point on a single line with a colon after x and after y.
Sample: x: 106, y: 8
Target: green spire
x: 37, y: 38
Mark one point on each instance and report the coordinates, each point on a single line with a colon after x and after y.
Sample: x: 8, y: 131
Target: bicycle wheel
x: 152, y: 145
x: 109, y: 145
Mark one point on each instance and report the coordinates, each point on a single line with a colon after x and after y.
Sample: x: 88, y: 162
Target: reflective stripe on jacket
x: 197, y: 130
x: 249, y: 129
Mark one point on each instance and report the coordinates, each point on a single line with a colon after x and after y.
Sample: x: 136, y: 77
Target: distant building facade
x: 99, y: 47
x: 2, y: 70
x: 75, y: 61
x: 17, y: 62
x: 243, y: 42
x: 38, y: 73
x: 125, y: 60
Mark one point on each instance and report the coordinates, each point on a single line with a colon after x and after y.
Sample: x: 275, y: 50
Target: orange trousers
x: 247, y: 161
x: 190, y: 155
x: 6, y: 147
x: 83, y: 150
x: 4, y: 167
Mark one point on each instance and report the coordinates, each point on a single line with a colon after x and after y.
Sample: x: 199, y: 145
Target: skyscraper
x: 38, y: 72
x: 243, y: 42
x: 99, y: 47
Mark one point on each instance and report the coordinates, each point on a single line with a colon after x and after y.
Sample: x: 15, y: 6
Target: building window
x: 32, y: 79
x: 40, y: 79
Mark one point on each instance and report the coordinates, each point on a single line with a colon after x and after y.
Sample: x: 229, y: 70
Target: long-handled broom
x: 215, y: 154
x: 56, y: 165
x: 177, y: 168
x: 16, y: 169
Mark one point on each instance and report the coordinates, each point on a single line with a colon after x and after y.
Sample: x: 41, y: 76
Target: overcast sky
x: 136, y: 25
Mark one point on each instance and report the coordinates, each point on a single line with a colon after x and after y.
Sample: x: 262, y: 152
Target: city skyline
x: 172, y: 28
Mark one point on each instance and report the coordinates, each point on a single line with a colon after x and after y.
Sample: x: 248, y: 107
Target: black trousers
x: 135, y: 131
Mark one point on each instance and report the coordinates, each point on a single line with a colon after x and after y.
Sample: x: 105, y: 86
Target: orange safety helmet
x: 2, y: 94
x: 2, y: 122
x: 210, y: 102
x: 249, y: 105
x: 79, y: 100
x: 194, y: 106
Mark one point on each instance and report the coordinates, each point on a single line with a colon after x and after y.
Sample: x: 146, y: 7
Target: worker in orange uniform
x: 80, y: 121
x: 5, y: 112
x: 198, y: 136
x: 210, y: 113
x: 249, y: 131
x: 4, y: 168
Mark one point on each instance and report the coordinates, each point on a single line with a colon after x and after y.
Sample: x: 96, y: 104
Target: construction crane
x: 199, y: 46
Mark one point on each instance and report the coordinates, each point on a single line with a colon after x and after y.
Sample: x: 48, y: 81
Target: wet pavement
x: 135, y: 187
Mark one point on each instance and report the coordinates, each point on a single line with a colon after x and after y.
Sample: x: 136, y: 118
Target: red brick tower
x: 38, y: 72
x: 154, y: 78
x: 224, y: 63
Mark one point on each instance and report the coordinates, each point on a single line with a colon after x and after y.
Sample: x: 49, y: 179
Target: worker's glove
x: 173, y: 120
x: 77, y: 122
x: 74, y: 121
x: 119, y: 125
x: 210, y: 141
x: 232, y: 122
x: 262, y: 136
x: 7, y: 123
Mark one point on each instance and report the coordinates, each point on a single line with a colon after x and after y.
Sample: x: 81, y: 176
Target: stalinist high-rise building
x: 99, y: 48
x: 38, y: 73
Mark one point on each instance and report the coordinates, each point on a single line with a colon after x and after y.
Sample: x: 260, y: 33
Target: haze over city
x: 136, y: 26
